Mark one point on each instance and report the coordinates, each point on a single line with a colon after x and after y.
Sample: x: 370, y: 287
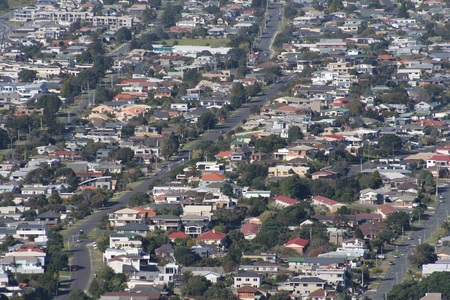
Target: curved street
x: 397, y: 271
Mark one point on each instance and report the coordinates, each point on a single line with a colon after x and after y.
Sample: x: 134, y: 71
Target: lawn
x: 20, y: 3
x: 198, y: 42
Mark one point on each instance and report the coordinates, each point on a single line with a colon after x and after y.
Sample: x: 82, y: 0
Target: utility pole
x: 437, y: 185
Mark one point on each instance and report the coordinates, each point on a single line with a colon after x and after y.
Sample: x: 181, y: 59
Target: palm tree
x: 446, y: 226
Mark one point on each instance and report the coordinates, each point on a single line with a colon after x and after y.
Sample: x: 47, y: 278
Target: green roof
x: 239, y: 143
x: 296, y: 259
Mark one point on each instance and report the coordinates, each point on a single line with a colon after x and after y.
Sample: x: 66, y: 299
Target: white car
x: 441, y: 197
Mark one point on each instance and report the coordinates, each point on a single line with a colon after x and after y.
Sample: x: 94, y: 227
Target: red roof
x: 386, y: 209
x: 286, y: 200
x: 212, y: 235
x: 445, y: 158
x: 247, y: 289
x: 297, y: 241
x: 325, y: 200
x: 250, y: 228
x: 429, y: 122
x: 223, y: 154
x: 206, y: 176
x: 178, y: 235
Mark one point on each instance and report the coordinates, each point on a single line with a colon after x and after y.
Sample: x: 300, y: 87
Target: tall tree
x: 238, y: 95
x: 294, y: 134
x: 169, y: 146
x: 27, y: 75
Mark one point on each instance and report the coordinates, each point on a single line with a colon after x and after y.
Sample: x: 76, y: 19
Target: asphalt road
x: 397, y: 271
x: 80, y: 253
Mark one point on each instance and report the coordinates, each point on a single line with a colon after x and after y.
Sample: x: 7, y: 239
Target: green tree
x: 281, y: 296
x: 123, y: 34
x: 27, y: 75
x: 390, y: 143
x: 195, y: 286
x: 358, y: 233
x: 50, y: 103
x: 446, y: 226
x: 185, y: 256
x: 238, y: 95
x: 123, y: 155
x: 294, y: 134
x: 77, y: 294
x: 139, y: 199
x: 169, y: 146
x: 4, y: 6
x: 148, y: 16
x: 170, y: 15
x: 403, y: 11
x: 424, y: 254
x: 294, y: 187
x: 4, y: 139
x: 207, y: 121
x: 127, y: 131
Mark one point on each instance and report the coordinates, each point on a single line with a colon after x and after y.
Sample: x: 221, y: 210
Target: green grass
x: 13, y: 4
x: 198, y: 42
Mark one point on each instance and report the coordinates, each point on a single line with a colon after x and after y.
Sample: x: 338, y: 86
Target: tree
x: 227, y: 190
x: 195, y: 286
x: 293, y: 187
x: 148, y: 16
x: 281, y: 296
x: 219, y: 292
x: 238, y: 95
x: 27, y: 75
x: 400, y: 221
x: 294, y: 134
x: 424, y: 254
x: 77, y: 294
x: 139, y: 199
x: 403, y: 11
x: 4, y: 139
x: 446, y: 226
x: 123, y: 155
x: 4, y: 5
x: 358, y: 233
x: 169, y: 146
x: 170, y: 15
x: 389, y: 143
x: 50, y: 103
x: 207, y: 121
x: 185, y: 256
x: 411, y: 289
x: 123, y: 34
x: 127, y: 131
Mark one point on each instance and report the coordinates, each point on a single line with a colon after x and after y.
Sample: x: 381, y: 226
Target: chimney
x: 214, y: 231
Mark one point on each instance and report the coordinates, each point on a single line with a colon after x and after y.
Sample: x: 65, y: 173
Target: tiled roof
x: 297, y: 241
x: 325, y: 200
x: 178, y: 235
x: 213, y: 176
x: 212, y: 235
x: 286, y: 200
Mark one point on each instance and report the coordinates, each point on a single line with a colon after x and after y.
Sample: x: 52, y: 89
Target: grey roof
x: 248, y: 274
x: 307, y: 279
x: 133, y: 227
x: 49, y: 214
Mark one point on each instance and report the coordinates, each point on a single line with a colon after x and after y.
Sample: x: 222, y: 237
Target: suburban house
x: 297, y: 244
x: 124, y: 216
x: 370, y: 197
x: 213, y: 237
x: 247, y: 279
x: 385, y: 210
x: 328, y: 203
x: 284, y: 201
